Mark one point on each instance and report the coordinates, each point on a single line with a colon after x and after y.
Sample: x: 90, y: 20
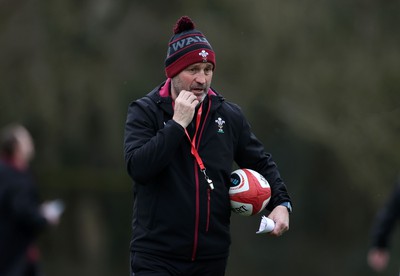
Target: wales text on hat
x: 186, y: 42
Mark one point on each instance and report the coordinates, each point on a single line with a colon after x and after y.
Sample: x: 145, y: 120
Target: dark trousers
x: 146, y: 264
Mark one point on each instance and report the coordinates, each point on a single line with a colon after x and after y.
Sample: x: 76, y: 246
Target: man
x: 181, y: 141
x: 21, y: 217
x: 384, y: 224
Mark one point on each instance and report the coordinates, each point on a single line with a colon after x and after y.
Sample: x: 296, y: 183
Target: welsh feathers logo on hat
x: 187, y: 46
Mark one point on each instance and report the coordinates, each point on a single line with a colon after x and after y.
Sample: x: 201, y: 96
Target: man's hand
x: 378, y: 259
x: 280, y: 215
x: 185, y: 105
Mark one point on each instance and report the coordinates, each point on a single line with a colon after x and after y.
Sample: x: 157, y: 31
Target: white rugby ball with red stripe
x: 249, y: 192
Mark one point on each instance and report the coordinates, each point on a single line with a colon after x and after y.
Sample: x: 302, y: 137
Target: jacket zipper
x: 208, y: 208
x: 197, y: 217
x: 196, y: 176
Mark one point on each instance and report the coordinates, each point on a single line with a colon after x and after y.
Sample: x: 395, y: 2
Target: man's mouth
x: 197, y: 90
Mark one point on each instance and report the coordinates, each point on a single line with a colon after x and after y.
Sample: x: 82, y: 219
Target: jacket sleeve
x: 149, y: 142
x: 252, y: 154
x: 386, y: 219
x: 24, y: 206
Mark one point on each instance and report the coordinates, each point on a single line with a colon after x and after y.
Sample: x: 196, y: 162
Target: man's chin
x: 201, y: 97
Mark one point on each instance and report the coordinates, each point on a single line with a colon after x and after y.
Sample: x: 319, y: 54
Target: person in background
x: 22, y: 218
x: 382, y: 229
x: 181, y: 141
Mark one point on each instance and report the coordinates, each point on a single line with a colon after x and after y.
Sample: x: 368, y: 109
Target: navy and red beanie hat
x: 187, y: 46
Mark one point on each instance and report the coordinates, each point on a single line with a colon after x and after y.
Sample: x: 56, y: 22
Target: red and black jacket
x: 175, y: 214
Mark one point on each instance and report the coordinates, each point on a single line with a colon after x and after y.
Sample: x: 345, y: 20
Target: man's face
x: 25, y: 147
x: 195, y: 78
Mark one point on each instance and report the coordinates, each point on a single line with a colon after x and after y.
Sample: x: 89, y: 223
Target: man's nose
x: 201, y: 77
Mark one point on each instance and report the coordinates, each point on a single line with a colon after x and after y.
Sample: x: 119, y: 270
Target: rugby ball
x: 249, y: 192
